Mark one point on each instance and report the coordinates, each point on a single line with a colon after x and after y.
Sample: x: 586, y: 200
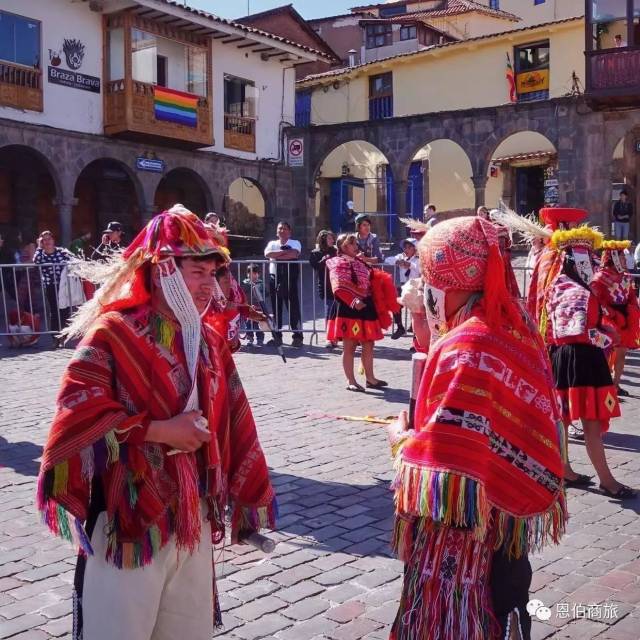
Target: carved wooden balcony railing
x: 240, y: 133
x: 20, y: 87
x: 130, y: 113
x: 613, y: 76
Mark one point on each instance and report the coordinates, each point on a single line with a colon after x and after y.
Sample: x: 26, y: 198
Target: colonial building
x: 113, y: 109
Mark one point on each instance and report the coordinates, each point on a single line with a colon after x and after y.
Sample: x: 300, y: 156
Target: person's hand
x: 359, y: 306
x: 106, y: 238
x: 254, y: 314
x: 180, y: 432
x: 398, y: 427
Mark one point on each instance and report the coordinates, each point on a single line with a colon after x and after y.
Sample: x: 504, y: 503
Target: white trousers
x: 169, y: 599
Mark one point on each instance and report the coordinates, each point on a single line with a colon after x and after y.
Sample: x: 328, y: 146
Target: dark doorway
x: 182, y: 186
x: 529, y: 189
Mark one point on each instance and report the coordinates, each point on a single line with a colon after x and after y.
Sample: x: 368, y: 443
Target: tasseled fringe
x: 453, y: 500
x: 60, y: 478
x: 60, y: 522
x: 402, y: 536
x: 134, y: 555
x: 188, y: 519
x: 113, y: 447
x: 163, y: 331
x: 445, y: 592
x: 446, y: 498
x: 255, y: 518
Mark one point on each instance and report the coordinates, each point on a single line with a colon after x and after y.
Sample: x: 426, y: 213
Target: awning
x: 531, y: 159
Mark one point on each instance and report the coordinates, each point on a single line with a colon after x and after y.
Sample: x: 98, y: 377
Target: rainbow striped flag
x: 175, y: 106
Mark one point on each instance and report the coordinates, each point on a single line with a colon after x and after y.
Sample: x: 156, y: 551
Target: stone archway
x: 29, y: 194
x: 183, y: 186
x: 106, y: 190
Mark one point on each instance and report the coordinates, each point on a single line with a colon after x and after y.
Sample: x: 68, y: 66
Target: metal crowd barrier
x: 29, y: 309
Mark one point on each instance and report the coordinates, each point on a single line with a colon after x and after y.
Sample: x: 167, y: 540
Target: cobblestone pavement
x: 331, y: 575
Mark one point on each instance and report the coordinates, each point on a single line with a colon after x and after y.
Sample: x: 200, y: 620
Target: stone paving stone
x: 257, y: 608
x: 336, y: 512
x: 10, y: 628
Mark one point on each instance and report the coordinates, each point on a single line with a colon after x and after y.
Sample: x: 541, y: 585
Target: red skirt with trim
x: 584, y: 384
x: 344, y: 322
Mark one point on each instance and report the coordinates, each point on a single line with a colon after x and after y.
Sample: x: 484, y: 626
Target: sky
x: 307, y: 8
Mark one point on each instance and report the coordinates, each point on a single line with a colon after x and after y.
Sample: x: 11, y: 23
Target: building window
x: 388, y: 12
x: 379, y: 35
x: 303, y: 108
x: 381, y: 96
x: 240, y: 112
x: 409, y: 32
x: 538, y: 2
x: 494, y: 4
x: 161, y: 62
x: 19, y: 40
x: 532, y: 71
x: 184, y: 67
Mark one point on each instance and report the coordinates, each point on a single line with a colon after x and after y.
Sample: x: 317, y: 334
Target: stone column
x: 65, y: 216
x: 149, y: 211
x: 479, y: 185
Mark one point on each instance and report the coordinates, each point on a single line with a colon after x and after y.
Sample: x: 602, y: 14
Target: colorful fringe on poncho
x: 482, y: 472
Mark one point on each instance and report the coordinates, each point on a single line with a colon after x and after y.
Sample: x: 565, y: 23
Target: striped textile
x: 175, y: 106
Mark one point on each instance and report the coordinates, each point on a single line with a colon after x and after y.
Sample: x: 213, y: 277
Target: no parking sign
x: 295, y: 153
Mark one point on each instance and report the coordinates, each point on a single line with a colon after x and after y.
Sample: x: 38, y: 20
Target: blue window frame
x: 396, y: 10
x: 303, y: 108
x: 494, y: 4
x: 19, y: 40
x: 381, y: 96
x: 539, y: 1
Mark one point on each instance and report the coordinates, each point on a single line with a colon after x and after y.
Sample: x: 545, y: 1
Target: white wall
x: 272, y: 109
x: 64, y: 107
x: 546, y: 12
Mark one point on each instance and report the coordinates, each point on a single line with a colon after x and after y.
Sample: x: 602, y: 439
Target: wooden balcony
x: 130, y: 113
x: 613, y: 78
x: 20, y: 87
x: 240, y: 133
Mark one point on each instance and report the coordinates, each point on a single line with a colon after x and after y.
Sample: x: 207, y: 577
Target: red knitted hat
x: 555, y: 216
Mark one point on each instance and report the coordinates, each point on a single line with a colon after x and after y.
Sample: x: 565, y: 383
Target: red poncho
x: 127, y: 371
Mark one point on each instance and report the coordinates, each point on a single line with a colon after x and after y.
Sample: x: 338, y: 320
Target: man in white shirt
x: 283, y: 282
x: 407, y: 266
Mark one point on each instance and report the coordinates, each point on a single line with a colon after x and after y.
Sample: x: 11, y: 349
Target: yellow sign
x: 530, y: 81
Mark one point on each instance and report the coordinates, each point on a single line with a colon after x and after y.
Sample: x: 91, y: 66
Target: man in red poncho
x: 152, y: 440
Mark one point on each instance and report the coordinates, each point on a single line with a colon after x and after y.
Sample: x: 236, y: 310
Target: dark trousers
x: 510, y: 581
x: 285, y: 293
x: 251, y: 327
x: 57, y: 317
x: 397, y: 317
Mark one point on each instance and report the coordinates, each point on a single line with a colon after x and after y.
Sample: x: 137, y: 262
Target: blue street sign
x: 150, y: 164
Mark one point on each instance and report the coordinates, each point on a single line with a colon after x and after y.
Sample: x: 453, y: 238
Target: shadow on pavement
x: 338, y: 517
x: 20, y: 456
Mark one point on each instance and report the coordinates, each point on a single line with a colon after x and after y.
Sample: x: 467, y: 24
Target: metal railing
x: 29, y: 308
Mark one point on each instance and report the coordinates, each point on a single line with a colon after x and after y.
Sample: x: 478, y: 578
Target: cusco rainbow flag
x: 175, y: 106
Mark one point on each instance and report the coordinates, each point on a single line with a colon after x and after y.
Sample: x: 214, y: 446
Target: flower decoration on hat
x: 586, y: 238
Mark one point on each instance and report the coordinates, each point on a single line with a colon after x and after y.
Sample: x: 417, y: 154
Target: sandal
x: 355, y: 387
x: 377, y: 385
x: 623, y: 493
x: 581, y: 480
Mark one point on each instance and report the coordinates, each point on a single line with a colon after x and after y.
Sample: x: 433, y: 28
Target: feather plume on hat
x: 527, y: 226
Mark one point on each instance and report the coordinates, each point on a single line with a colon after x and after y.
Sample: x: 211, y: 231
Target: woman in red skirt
x: 353, y: 317
x: 578, y: 344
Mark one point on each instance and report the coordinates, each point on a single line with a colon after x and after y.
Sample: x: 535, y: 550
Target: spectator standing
x: 408, y: 266
x: 283, y: 282
x: 7, y: 283
x: 622, y: 214
x: 52, y: 260
x: 110, y: 243
x: 79, y: 245
x: 349, y: 222
x: 430, y: 215
x: 324, y: 250
x: 368, y: 242
x: 252, y: 282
